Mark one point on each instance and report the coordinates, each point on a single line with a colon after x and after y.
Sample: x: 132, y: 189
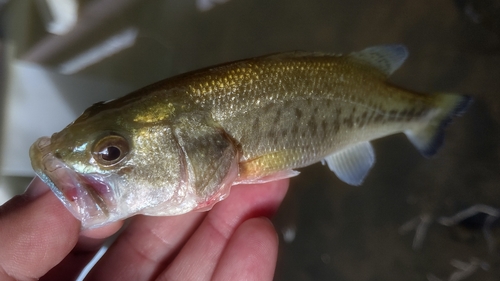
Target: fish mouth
x: 87, y: 196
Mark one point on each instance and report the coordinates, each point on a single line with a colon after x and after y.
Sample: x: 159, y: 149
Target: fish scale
x: 180, y: 144
x: 284, y: 84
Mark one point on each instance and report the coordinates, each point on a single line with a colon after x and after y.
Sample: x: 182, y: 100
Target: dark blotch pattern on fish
x: 349, y: 122
x: 278, y: 115
x: 336, y: 126
x: 378, y: 117
x: 271, y: 134
x: 338, y: 112
x: 298, y: 113
x: 268, y: 107
x: 312, y: 126
x: 324, y: 126
x: 256, y: 124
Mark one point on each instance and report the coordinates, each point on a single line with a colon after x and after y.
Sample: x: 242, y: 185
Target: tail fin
x: 429, y: 138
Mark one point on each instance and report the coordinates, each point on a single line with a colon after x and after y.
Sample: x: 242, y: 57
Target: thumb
x: 36, y: 233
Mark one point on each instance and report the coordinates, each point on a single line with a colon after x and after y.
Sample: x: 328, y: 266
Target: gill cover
x: 210, y: 156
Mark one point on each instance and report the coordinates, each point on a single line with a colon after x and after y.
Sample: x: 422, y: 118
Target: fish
x: 178, y: 145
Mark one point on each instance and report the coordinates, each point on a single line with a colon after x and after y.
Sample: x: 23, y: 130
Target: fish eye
x: 110, y: 149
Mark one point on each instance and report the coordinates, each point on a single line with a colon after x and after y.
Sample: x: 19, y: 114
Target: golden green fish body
x: 179, y: 144
x: 290, y: 110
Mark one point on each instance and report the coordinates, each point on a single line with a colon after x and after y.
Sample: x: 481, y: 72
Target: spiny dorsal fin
x: 386, y: 58
x: 353, y: 163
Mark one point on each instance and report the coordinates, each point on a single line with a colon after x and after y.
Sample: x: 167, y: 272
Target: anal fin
x: 353, y: 163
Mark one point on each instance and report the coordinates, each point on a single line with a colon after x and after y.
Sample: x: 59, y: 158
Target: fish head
x: 112, y: 163
x: 104, y: 168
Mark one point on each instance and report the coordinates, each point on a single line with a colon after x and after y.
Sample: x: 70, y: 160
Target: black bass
x: 179, y: 145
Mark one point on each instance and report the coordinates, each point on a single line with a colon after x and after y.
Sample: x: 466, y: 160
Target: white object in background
x: 5, y: 192
x: 59, y: 16
x: 38, y: 103
x: 114, y: 44
x: 34, y: 107
x: 289, y: 233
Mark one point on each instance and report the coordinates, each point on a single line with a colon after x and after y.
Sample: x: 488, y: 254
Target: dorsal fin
x: 386, y: 58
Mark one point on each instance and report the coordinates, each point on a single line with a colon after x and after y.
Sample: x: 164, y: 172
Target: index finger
x: 37, y: 232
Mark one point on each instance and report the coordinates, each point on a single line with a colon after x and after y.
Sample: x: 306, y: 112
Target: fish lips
x: 89, y: 197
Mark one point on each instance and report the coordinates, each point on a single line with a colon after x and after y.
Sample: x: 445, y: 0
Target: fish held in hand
x: 179, y: 145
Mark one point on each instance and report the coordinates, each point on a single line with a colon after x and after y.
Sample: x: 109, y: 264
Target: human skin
x: 40, y: 239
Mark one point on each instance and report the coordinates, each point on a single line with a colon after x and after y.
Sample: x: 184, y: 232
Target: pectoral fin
x: 353, y: 163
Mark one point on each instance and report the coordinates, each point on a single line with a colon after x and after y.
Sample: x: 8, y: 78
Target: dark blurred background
x: 56, y: 60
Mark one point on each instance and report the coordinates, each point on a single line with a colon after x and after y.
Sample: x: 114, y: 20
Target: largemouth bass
x: 179, y: 145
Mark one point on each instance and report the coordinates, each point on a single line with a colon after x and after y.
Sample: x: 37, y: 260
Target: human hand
x: 39, y: 238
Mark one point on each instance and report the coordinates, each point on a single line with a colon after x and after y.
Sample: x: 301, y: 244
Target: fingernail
x: 36, y: 189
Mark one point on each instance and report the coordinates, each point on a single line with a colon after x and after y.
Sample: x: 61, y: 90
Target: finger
x: 199, y: 257
x: 145, y: 247
x: 36, y: 231
x: 250, y: 254
x: 89, y: 242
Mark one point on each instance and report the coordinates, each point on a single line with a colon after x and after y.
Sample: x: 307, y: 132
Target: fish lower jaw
x: 90, y: 202
x: 87, y: 197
